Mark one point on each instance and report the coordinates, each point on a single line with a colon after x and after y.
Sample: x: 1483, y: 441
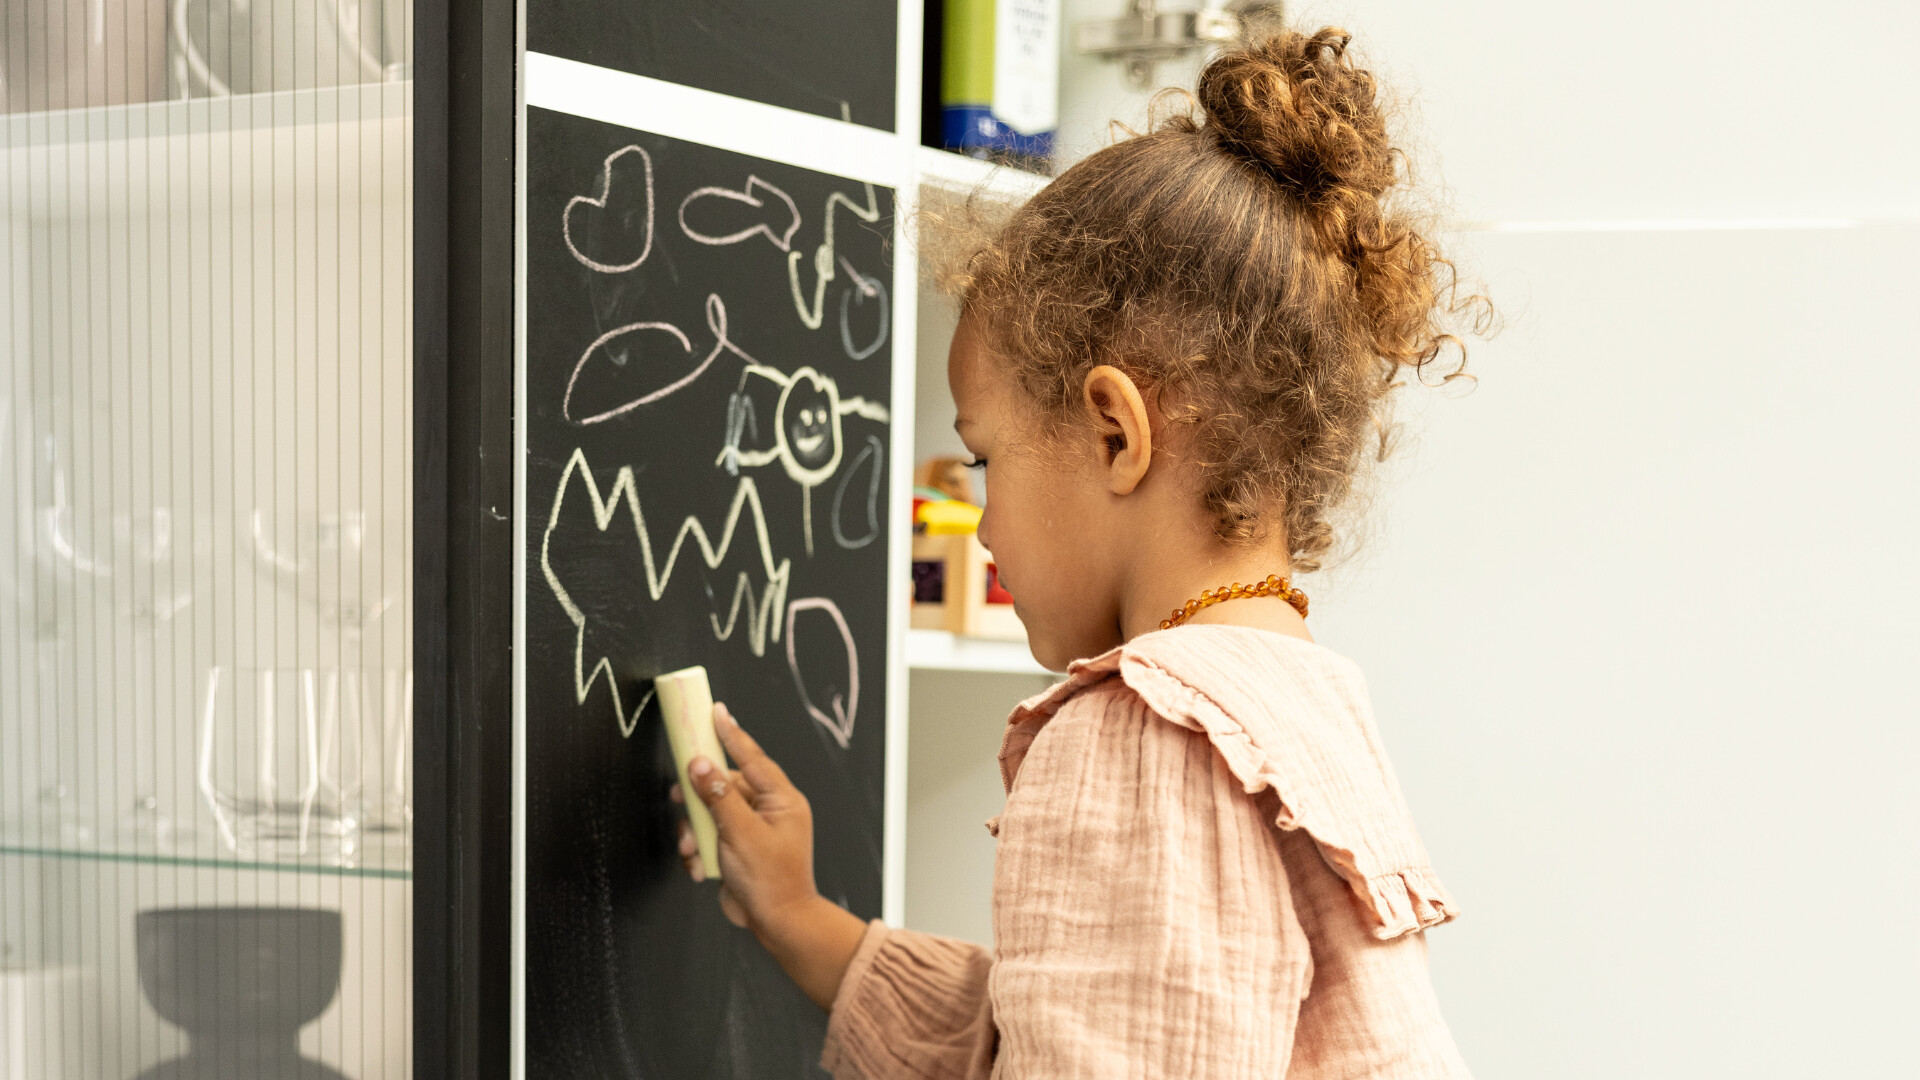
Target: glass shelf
x: 379, y: 858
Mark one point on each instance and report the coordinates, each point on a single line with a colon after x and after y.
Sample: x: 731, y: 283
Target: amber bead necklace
x: 1275, y: 585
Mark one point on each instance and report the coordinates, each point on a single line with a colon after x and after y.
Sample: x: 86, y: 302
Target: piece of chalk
x: 686, y: 707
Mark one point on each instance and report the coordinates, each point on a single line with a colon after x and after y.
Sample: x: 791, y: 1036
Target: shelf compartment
x: 938, y: 650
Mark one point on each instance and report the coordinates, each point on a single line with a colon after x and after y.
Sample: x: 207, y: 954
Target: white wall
x: 1636, y: 625
x: 1633, y: 610
x: 1637, y: 611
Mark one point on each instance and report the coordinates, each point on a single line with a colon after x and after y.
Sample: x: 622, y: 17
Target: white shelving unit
x: 937, y: 650
x: 960, y: 689
x: 942, y: 177
x: 955, y: 172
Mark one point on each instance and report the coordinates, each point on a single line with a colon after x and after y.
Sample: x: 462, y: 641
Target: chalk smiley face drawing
x: 807, y: 438
x: 808, y: 426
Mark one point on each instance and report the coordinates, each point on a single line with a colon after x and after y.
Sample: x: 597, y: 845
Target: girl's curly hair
x: 1254, y: 269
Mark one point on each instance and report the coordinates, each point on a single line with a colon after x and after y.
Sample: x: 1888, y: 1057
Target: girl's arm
x: 766, y: 864
x: 903, y: 1003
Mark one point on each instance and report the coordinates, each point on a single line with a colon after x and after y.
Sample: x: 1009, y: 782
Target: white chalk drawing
x: 806, y: 430
x: 782, y: 240
x: 875, y: 452
x: 839, y: 723
x: 862, y: 290
x: 606, y: 192
x: 624, y: 492
x: 823, y: 256
x: 613, y: 346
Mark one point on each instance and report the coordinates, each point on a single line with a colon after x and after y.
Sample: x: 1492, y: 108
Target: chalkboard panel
x: 708, y: 369
x: 835, y: 59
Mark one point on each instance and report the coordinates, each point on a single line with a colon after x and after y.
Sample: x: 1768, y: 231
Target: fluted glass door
x: 206, y: 697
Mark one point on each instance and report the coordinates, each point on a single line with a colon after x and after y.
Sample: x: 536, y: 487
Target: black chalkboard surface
x: 834, y: 59
x: 708, y: 369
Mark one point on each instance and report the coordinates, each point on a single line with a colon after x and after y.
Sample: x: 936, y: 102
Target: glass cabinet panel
x: 206, y: 697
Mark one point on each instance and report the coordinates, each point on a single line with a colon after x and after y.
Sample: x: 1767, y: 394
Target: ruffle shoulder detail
x: 1289, y: 716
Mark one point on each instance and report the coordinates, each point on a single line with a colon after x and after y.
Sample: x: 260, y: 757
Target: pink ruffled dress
x: 1205, y: 869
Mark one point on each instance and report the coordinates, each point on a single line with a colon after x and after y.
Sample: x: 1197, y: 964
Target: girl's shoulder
x: 1284, y: 714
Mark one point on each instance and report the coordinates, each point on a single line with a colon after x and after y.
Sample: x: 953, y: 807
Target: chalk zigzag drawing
x: 625, y: 492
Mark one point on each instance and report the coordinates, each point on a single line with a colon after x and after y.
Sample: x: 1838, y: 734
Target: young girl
x: 1169, y: 365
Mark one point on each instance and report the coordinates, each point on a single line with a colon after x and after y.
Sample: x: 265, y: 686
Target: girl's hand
x: 766, y: 831
x: 766, y: 863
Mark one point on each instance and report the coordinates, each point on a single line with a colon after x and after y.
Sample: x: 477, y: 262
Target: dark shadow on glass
x: 242, y: 982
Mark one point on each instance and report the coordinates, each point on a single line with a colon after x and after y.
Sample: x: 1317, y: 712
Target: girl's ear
x: 1119, y: 416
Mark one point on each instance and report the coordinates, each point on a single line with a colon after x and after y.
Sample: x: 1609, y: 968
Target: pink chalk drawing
x: 840, y: 723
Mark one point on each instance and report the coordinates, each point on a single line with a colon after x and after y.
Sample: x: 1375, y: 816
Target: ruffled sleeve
x: 1288, y: 716
x: 911, y: 1005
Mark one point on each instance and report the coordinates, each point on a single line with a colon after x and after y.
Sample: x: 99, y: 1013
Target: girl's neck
x: 1175, y: 580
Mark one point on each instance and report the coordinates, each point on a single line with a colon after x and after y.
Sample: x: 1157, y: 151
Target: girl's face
x: 1046, y: 515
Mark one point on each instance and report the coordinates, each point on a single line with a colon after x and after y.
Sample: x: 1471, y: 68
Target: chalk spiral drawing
x: 604, y: 345
x: 823, y: 256
x: 619, y: 345
x: 606, y: 192
x: 783, y: 241
x: 865, y: 288
x: 806, y: 429
x: 625, y: 492
x: 844, y: 706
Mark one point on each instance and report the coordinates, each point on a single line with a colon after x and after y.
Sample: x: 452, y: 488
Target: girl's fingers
x: 747, y: 787
x: 760, y: 770
x: 689, y: 847
x: 725, y: 797
x: 675, y: 795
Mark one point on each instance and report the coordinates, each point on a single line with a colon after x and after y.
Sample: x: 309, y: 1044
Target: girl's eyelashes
x: 977, y: 463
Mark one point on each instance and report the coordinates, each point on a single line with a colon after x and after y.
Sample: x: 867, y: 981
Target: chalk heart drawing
x: 761, y: 620
x: 865, y: 294
x: 713, y: 203
x: 839, y: 701
x: 601, y: 230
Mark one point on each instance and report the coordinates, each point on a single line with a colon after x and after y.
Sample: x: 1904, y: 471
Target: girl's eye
x: 977, y: 463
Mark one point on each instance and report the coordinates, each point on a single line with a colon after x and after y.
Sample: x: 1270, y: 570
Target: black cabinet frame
x: 464, y: 534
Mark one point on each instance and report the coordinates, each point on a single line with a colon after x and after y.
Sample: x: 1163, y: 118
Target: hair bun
x: 1295, y: 105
